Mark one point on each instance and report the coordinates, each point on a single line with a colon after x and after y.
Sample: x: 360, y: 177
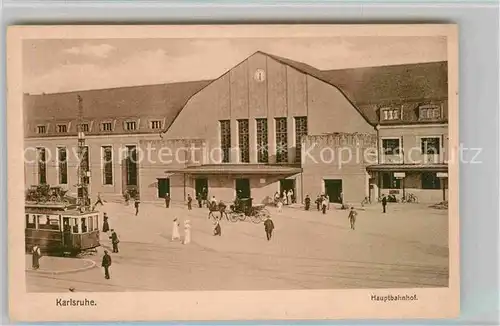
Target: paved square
x: 407, y: 247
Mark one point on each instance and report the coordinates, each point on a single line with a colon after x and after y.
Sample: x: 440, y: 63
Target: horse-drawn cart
x: 239, y: 211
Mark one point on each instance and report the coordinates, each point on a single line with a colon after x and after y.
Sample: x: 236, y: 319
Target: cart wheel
x: 233, y: 217
x: 242, y: 216
x: 255, y: 218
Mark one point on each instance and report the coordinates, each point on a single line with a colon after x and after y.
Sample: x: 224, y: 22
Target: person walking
x: 318, y: 203
x: 324, y: 205
x: 289, y: 197
x: 106, y: 263
x: 190, y: 202
x: 269, y: 227
x: 175, y: 230
x: 99, y: 200
x: 307, y: 202
x: 199, y: 198
x: 36, y: 254
x: 167, y: 200
x: 352, y: 217
x: 280, y: 205
x: 126, y: 195
x: 136, y: 204
x: 114, y: 240
x: 187, y: 231
x: 327, y: 198
x: 217, y: 228
x: 105, y: 224
x: 384, y: 203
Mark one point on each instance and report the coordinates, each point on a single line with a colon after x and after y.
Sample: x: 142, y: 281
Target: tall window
x: 430, y: 145
x: 391, y: 146
x: 225, y: 139
x: 281, y: 140
x: 86, y: 162
x: 300, y: 131
x: 42, y: 166
x: 430, y: 181
x: 262, y: 142
x: 389, y: 181
x: 62, y: 161
x: 131, y: 165
x: 243, y: 141
x: 107, y: 163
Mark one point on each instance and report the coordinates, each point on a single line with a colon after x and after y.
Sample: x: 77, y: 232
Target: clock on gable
x: 260, y: 75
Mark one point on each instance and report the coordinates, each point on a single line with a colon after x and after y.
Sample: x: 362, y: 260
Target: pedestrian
x: 99, y: 200
x: 327, y: 198
x: 307, y: 202
x: 352, y: 217
x: 318, y: 203
x: 294, y: 198
x: 187, y: 231
x: 105, y: 224
x: 114, y: 240
x: 106, y: 263
x: 136, y: 204
x: 280, y: 205
x: 190, y: 202
x: 222, y: 209
x: 175, y: 230
x: 324, y: 205
x: 217, y: 228
x: 167, y: 200
x: 126, y: 195
x: 276, y: 198
x: 269, y: 227
x: 384, y: 203
x: 36, y: 254
x: 289, y: 197
x: 199, y: 198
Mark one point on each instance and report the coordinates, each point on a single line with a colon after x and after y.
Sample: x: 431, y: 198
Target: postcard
x: 233, y: 172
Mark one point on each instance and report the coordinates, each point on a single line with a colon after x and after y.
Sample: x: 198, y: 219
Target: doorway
x: 333, y: 188
x: 201, y: 187
x: 163, y: 187
x: 287, y: 185
x: 243, y: 188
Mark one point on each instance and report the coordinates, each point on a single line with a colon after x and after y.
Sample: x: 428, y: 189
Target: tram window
x: 91, y: 223
x: 84, y: 225
x: 75, y: 225
x: 48, y: 222
x: 30, y: 221
x: 66, y: 226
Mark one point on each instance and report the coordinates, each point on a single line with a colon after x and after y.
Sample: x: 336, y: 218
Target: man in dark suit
x: 269, y: 227
x: 384, y: 203
x: 114, y: 240
x: 106, y: 263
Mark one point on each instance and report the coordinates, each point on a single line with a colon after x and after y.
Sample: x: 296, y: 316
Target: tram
x: 60, y: 229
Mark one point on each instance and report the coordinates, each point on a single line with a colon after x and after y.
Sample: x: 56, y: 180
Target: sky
x: 52, y: 66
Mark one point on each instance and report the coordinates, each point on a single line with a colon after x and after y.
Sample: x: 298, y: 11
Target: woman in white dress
x: 175, y: 230
x: 187, y: 231
x: 280, y: 205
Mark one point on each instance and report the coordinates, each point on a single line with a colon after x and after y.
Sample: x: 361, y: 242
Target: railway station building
x: 268, y: 124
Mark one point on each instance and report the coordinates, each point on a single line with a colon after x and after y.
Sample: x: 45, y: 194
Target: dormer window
x: 84, y: 127
x: 390, y: 114
x: 155, y: 124
x: 130, y: 125
x: 429, y: 112
x: 62, y: 128
x: 106, y: 126
x: 41, y: 129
